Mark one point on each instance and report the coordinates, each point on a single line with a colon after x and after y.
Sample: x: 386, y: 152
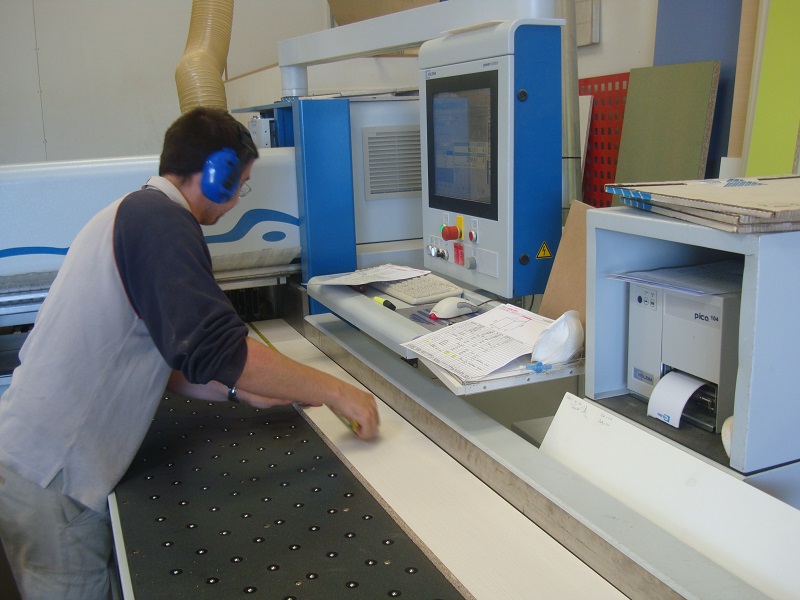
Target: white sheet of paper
x: 476, y: 347
x: 712, y: 278
x: 386, y: 272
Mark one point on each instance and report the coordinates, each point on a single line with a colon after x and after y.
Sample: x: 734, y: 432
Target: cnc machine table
x: 462, y: 528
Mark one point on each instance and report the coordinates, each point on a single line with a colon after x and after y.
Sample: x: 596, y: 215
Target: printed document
x: 386, y: 272
x: 474, y: 348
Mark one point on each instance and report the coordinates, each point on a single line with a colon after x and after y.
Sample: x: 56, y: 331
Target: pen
x: 384, y: 302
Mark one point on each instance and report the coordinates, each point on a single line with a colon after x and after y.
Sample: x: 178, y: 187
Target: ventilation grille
x: 392, y: 162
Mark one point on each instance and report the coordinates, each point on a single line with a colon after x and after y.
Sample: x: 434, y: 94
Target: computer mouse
x: 452, y: 307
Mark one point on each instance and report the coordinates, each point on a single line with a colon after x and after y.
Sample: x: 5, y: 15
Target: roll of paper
x: 670, y: 396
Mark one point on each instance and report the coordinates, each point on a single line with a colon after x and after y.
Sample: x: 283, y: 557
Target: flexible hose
x: 198, y: 75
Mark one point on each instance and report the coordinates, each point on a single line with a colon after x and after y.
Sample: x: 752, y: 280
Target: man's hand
x: 359, y: 409
x: 269, y: 374
x: 282, y: 381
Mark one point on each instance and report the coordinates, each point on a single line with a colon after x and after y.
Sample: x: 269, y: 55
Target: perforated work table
x: 225, y: 501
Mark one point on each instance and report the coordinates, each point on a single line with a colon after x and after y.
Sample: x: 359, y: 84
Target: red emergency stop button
x: 450, y: 232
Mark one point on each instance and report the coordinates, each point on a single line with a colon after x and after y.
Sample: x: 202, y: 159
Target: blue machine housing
x: 537, y: 156
x: 507, y: 239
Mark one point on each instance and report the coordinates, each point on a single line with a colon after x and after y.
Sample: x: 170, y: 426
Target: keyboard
x: 424, y: 289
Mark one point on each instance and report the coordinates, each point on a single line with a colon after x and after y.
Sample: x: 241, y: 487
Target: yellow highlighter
x: 384, y: 302
x: 348, y: 423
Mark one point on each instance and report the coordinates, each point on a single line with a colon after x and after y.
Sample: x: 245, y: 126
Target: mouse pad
x: 225, y: 501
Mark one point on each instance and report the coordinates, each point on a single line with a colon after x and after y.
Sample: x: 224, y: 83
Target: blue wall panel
x: 699, y: 30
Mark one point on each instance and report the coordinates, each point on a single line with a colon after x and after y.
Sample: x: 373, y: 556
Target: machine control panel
x: 491, y: 154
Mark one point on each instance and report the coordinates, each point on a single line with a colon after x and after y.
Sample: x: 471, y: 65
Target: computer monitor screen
x: 462, y: 143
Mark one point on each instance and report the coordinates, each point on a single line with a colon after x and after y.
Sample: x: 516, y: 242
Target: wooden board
x: 492, y: 548
x: 667, y: 124
x: 743, y: 529
x: 566, y: 286
x: 765, y: 204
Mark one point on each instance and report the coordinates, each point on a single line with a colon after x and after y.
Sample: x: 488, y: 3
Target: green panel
x: 667, y: 122
x: 777, y: 113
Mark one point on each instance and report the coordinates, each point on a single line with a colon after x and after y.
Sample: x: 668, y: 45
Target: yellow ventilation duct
x: 199, y: 72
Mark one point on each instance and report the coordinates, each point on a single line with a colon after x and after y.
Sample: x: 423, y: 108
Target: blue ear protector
x: 221, y: 173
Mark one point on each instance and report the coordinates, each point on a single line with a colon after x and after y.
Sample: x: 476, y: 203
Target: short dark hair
x: 197, y: 134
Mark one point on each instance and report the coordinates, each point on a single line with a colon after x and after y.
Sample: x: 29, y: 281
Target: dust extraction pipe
x: 199, y: 72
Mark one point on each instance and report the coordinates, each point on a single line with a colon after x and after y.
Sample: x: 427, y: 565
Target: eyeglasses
x: 244, y: 190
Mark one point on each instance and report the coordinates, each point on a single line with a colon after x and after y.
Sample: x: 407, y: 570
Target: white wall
x: 88, y: 79
x: 627, y: 38
x: 20, y: 109
x: 627, y: 41
x: 95, y: 78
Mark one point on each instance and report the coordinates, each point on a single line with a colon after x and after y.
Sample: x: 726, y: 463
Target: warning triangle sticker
x: 544, y: 251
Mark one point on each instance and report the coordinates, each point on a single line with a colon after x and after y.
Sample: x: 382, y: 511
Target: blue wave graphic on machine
x: 24, y: 251
x: 249, y: 220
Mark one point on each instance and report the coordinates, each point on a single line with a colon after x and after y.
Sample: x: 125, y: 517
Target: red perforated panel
x: 605, y: 129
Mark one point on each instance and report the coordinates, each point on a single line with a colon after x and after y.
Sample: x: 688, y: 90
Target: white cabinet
x: 766, y: 406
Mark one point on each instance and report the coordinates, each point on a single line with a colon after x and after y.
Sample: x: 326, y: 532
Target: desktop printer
x: 669, y: 329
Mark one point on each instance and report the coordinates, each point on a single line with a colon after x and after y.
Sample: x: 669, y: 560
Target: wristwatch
x: 232, y: 397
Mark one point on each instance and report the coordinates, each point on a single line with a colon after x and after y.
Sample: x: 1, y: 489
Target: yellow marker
x: 384, y: 302
x: 351, y: 424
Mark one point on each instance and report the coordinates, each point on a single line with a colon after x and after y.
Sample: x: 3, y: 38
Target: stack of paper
x: 473, y: 349
x: 387, y: 272
x: 742, y: 205
x: 698, y: 280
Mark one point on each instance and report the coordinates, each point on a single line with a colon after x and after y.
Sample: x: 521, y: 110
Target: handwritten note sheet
x: 475, y: 348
